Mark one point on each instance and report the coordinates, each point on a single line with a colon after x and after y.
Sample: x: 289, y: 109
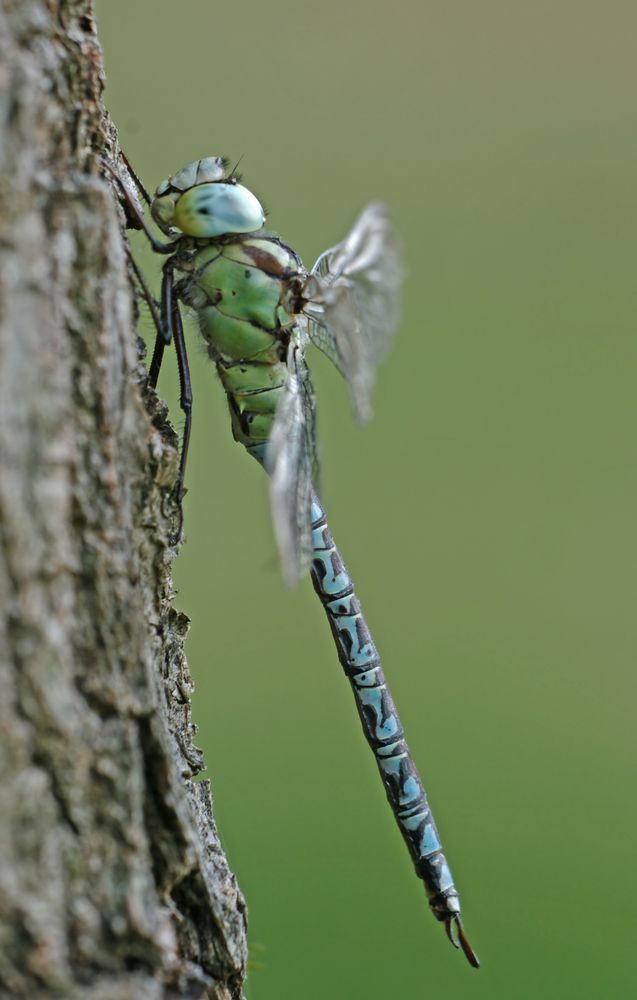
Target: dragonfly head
x: 204, y: 201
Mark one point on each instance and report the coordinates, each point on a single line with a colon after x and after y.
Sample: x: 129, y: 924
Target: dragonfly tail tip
x: 459, y: 940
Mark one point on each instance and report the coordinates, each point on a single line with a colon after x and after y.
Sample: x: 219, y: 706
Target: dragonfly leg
x: 134, y: 210
x: 161, y: 320
x: 138, y: 183
x: 167, y: 297
x: 163, y: 334
x: 185, y: 398
x: 168, y: 325
x: 171, y: 328
x: 157, y: 358
x: 145, y: 290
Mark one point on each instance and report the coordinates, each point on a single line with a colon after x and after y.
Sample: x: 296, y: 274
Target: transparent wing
x: 352, y: 303
x: 291, y: 463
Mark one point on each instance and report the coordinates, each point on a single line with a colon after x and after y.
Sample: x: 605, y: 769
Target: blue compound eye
x: 216, y: 209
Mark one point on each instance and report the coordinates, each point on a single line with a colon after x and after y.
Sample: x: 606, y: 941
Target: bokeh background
x: 487, y: 514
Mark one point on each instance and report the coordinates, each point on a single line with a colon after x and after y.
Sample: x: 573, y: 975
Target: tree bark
x: 113, y: 884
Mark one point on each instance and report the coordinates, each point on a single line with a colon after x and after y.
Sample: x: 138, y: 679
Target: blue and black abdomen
x: 382, y: 727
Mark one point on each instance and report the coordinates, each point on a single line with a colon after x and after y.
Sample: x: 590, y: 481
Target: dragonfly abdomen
x: 254, y: 390
x: 382, y: 727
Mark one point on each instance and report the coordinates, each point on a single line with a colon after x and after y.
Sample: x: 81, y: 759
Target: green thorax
x: 246, y: 291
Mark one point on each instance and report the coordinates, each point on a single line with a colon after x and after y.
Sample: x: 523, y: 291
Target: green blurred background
x: 488, y: 517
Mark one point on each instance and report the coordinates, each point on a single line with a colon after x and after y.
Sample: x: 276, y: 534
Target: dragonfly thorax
x: 247, y: 292
x: 202, y: 201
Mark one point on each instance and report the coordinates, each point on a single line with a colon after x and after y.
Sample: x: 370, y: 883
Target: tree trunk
x: 112, y: 881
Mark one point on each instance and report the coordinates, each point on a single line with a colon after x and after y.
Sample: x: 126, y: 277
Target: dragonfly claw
x: 174, y: 537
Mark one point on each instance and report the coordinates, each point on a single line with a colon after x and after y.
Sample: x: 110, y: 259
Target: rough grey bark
x: 112, y: 881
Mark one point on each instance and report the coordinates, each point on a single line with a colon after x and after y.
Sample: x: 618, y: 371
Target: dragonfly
x: 258, y: 309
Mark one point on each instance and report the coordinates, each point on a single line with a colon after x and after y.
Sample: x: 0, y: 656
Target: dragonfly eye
x: 216, y: 209
x: 209, y: 210
x: 211, y: 170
